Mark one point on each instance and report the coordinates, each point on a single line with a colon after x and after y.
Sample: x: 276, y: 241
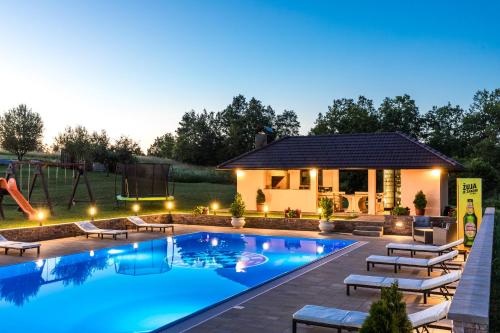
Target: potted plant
x: 261, y: 200
x: 400, y: 211
x: 420, y: 203
x: 326, y: 212
x: 237, y: 210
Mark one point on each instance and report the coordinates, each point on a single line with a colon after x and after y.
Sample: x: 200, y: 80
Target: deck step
x: 370, y: 233
x: 369, y: 228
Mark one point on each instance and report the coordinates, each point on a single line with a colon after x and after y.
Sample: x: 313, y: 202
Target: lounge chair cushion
x: 412, y: 261
x: 430, y: 315
x: 331, y: 316
x: 426, y: 248
x: 443, y: 280
x: 408, y: 284
x: 90, y: 228
x: 141, y: 223
x: 443, y: 258
x: 20, y: 245
x: 451, y: 245
x: 382, y: 259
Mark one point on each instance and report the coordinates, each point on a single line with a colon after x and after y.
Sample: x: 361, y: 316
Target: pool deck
x: 271, y: 310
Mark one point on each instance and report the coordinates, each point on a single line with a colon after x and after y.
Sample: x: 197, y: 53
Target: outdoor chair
x: 21, y: 246
x: 90, y: 229
x: 315, y: 315
x: 399, y: 262
x: 439, y: 285
x: 414, y: 248
x: 140, y: 223
x: 422, y: 229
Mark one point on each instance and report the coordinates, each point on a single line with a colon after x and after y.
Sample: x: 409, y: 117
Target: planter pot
x: 326, y: 226
x: 419, y: 212
x: 260, y: 207
x: 238, y: 222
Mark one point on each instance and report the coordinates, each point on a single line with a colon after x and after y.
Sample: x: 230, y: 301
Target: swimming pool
x: 144, y: 286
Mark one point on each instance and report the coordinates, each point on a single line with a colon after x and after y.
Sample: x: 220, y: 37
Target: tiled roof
x: 364, y: 150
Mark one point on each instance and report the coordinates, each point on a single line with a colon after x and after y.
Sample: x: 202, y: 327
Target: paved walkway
x: 271, y: 311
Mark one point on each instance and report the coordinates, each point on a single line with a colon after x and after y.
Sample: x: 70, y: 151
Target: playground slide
x: 11, y: 187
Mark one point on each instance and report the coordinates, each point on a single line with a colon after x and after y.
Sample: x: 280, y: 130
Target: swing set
x: 39, y: 174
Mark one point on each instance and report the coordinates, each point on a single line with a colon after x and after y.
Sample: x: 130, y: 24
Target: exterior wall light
x: 313, y: 172
x: 436, y: 172
x: 240, y: 173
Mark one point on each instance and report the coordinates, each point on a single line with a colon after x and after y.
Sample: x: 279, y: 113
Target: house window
x: 305, y: 179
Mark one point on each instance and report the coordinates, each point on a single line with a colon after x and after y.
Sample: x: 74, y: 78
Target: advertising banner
x: 469, y: 208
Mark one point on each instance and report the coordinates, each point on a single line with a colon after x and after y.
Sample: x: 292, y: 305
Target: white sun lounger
x: 90, y: 229
x: 140, y: 223
x: 424, y: 286
x: 414, y: 248
x: 21, y: 246
x: 353, y: 320
x: 398, y: 262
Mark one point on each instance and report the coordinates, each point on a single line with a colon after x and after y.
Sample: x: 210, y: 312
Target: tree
x: 21, y: 131
x: 287, y: 124
x: 388, y: 315
x: 347, y: 116
x: 75, y: 142
x: 124, y: 149
x: 442, y: 129
x: 400, y: 114
x: 99, y: 147
x: 163, y: 146
x: 198, y: 139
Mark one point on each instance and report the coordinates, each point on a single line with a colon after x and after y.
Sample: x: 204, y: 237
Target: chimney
x: 260, y: 140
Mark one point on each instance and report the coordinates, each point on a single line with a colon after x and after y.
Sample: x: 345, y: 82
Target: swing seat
x: 124, y: 198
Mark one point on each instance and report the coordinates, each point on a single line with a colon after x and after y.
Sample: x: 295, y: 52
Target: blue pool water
x: 144, y: 286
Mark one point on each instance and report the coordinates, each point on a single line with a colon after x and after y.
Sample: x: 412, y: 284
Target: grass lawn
x: 495, y: 280
x: 187, y: 196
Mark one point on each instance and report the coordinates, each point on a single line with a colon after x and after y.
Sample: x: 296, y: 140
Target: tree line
x: 472, y: 135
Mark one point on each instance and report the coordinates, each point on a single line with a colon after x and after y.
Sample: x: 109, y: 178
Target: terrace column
x: 372, y: 191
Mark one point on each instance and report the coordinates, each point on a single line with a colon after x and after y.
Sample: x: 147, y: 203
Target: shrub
x: 261, y: 197
x: 237, y: 208
x: 420, y: 201
x: 292, y: 213
x: 400, y: 211
x: 388, y: 315
x: 200, y: 210
x: 326, y: 205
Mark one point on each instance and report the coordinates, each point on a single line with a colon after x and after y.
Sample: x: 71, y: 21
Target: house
x: 297, y: 171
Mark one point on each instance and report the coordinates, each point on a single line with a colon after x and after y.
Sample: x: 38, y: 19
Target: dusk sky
x: 134, y: 67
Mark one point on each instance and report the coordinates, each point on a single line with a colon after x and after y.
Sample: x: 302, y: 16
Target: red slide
x: 11, y: 187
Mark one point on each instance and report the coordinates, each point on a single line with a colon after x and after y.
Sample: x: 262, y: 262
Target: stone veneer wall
x: 33, y: 234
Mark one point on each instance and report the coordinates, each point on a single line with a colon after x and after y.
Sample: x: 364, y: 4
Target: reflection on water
x: 230, y: 256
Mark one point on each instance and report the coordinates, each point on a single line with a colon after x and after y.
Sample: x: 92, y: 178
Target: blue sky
x: 134, y: 67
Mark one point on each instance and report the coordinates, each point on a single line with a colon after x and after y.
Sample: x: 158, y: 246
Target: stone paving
x: 271, y: 311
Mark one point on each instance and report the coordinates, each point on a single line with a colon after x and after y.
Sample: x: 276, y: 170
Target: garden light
x: 266, y: 210
x: 92, y: 212
x: 320, y: 211
x: 170, y: 205
x: 40, y: 217
x: 136, y: 208
x: 215, y: 206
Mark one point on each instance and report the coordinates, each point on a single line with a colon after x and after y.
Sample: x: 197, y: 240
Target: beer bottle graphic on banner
x: 470, y: 224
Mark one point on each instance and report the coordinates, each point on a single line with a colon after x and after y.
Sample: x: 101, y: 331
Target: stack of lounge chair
x: 21, y: 246
x: 442, y: 285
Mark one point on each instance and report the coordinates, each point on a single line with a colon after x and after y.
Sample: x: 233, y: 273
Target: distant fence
x: 471, y: 304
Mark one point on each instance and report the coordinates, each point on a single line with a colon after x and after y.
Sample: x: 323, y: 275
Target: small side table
x: 428, y: 234
x: 463, y: 250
